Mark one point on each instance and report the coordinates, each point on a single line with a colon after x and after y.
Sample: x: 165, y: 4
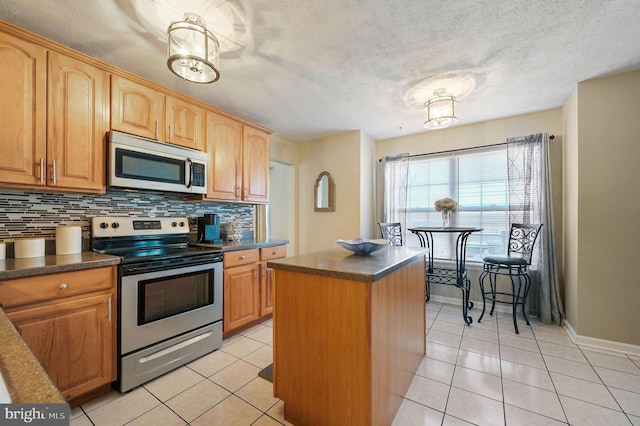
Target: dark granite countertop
x: 246, y: 243
x: 26, y: 380
x: 341, y: 263
x: 23, y: 268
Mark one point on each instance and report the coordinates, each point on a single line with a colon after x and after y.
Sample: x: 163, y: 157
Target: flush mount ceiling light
x: 440, y: 110
x: 193, y: 50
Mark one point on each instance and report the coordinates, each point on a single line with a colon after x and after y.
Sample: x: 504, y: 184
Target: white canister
x: 28, y: 247
x: 68, y: 240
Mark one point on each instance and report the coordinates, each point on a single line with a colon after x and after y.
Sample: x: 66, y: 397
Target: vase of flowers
x: 446, y: 206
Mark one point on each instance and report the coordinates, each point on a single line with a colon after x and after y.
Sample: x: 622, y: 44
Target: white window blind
x: 477, y: 180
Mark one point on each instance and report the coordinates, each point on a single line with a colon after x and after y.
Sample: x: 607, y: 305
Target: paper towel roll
x: 28, y: 247
x: 68, y: 239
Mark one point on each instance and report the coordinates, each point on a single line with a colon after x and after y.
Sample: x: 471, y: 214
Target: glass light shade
x: 440, y: 110
x: 194, y: 51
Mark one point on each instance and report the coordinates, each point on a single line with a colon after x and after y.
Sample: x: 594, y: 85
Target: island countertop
x: 341, y: 263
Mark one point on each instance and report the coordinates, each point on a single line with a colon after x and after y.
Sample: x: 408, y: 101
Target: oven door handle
x: 190, y: 163
x: 174, y: 348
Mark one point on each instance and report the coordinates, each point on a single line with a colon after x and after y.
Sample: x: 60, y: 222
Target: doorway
x: 281, y: 210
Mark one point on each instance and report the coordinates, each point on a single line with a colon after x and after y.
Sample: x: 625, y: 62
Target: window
x: 478, y: 180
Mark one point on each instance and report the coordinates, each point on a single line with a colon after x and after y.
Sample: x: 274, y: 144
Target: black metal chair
x: 392, y: 231
x: 522, y: 240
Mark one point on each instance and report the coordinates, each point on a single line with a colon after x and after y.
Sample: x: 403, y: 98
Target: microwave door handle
x: 190, y: 163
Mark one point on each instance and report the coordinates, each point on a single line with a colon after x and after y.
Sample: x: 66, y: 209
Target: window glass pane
x: 477, y: 180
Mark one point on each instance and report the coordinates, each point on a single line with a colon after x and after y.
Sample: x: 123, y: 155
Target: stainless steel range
x: 169, y: 294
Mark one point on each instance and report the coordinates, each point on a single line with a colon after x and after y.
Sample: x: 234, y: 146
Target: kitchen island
x: 349, y: 334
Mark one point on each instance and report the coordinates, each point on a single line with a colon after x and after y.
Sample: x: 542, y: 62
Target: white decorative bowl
x: 363, y: 246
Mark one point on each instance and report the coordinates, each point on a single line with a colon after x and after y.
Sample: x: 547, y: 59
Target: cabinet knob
x: 274, y: 252
x: 243, y: 257
x: 63, y: 286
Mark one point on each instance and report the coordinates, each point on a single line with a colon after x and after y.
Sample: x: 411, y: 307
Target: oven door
x: 159, y: 305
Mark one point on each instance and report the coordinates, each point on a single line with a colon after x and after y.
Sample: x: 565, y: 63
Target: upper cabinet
x: 23, y: 131
x: 255, y: 165
x: 136, y: 109
x: 184, y: 124
x: 146, y: 112
x: 238, y: 161
x: 52, y: 122
x: 76, y: 124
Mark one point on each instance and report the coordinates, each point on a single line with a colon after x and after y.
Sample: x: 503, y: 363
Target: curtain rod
x: 551, y: 137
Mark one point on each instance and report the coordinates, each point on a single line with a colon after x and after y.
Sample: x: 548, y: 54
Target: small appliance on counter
x: 209, y: 229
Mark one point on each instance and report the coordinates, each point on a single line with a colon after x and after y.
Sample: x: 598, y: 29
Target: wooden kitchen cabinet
x: 52, y: 122
x: 68, y: 322
x: 238, y: 160
x: 136, y: 109
x: 255, y: 165
x: 23, y: 67
x: 146, y: 112
x: 77, y: 112
x: 185, y: 124
x: 266, y: 277
x: 241, y: 282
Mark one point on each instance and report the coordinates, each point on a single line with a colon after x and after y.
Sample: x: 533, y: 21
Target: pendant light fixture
x: 194, y: 51
x: 440, y: 110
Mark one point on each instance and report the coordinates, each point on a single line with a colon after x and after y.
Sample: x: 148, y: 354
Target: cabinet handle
x: 170, y: 134
x: 63, y: 286
x: 55, y: 175
x: 156, y: 129
x: 109, y: 307
x: 42, y: 170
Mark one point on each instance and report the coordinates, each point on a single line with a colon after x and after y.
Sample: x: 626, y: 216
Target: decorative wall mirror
x: 324, y: 193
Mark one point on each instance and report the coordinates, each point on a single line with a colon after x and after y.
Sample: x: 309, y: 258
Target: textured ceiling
x: 308, y: 69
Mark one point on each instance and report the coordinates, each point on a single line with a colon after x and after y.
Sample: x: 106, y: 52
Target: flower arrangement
x: 446, y: 205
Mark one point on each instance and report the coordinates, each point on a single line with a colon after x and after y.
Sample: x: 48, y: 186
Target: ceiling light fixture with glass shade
x: 193, y: 51
x: 440, y: 110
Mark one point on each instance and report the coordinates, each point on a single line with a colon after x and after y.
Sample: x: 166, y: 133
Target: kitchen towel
x: 68, y: 240
x: 28, y: 247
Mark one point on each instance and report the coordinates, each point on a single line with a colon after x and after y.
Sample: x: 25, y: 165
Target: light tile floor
x: 483, y: 374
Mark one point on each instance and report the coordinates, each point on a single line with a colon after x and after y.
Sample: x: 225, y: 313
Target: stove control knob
x: 104, y: 225
x: 115, y: 225
x: 174, y: 224
x: 181, y: 224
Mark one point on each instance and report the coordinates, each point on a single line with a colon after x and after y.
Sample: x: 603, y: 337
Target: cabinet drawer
x: 42, y: 288
x: 269, y: 253
x: 240, y: 257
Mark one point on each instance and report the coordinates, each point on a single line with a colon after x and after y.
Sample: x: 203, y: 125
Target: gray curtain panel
x: 396, y: 180
x: 530, y: 201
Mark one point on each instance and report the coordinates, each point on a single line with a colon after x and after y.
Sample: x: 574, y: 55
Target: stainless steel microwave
x: 140, y: 163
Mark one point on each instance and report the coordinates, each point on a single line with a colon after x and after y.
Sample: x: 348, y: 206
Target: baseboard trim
x: 596, y: 343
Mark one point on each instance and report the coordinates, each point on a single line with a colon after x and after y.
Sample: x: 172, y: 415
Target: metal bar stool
x: 391, y: 231
x: 522, y: 239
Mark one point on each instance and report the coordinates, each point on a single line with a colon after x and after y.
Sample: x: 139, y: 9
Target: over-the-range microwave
x: 140, y: 163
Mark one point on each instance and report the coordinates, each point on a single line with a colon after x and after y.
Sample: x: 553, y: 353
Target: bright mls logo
x: 35, y: 414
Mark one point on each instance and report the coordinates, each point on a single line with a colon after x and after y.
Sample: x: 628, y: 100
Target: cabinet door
x: 224, y: 147
x: 241, y: 296
x: 255, y: 172
x: 266, y: 290
x: 185, y: 124
x: 136, y: 109
x: 23, y: 69
x: 76, y: 124
x: 73, y: 340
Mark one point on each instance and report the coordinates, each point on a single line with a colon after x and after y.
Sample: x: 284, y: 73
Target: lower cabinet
x: 69, y: 325
x: 248, y: 287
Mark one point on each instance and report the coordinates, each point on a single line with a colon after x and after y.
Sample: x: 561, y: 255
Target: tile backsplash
x: 25, y: 214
